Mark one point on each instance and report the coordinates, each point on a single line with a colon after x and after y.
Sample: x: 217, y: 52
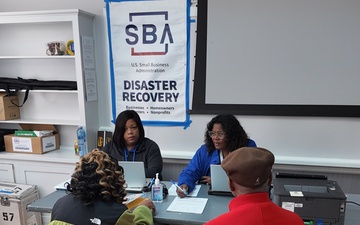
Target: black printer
x: 312, y: 197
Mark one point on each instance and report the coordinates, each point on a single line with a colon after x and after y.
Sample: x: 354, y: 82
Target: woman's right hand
x: 180, y: 193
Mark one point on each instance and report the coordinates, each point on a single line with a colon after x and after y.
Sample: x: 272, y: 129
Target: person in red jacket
x: 249, y: 172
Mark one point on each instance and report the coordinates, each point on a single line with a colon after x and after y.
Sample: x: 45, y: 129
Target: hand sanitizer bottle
x: 157, y: 190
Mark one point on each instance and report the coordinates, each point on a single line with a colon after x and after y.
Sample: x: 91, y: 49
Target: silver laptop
x: 219, y: 181
x: 134, y: 173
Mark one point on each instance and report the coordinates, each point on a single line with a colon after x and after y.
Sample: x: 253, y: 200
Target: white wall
x: 294, y: 140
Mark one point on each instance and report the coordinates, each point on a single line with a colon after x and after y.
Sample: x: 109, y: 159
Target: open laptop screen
x: 134, y: 173
x: 219, y: 181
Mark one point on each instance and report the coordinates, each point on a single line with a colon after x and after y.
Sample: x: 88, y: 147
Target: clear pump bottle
x: 157, y: 190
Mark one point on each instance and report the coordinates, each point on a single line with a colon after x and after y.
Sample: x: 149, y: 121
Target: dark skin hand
x: 205, y: 180
x: 180, y: 193
x: 148, y: 203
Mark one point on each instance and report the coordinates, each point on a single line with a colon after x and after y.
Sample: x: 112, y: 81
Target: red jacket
x: 256, y: 209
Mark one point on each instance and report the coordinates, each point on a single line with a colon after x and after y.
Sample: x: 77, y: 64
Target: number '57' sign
x: 7, y: 216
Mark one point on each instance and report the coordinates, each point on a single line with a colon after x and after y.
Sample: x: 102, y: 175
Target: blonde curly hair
x: 98, y: 176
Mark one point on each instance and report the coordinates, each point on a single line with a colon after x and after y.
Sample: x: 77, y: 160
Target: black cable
x: 353, y: 203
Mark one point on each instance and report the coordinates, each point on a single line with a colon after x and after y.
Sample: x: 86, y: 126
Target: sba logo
x: 150, y: 36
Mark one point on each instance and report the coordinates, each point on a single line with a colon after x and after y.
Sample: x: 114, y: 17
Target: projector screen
x: 278, y: 57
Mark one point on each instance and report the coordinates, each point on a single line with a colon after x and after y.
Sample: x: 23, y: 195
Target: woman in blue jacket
x: 223, y: 135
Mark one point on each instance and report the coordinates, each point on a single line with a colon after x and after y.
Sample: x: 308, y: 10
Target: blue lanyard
x: 133, y: 150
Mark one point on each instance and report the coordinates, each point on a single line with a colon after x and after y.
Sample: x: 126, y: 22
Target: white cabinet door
x: 45, y: 175
x: 7, y: 173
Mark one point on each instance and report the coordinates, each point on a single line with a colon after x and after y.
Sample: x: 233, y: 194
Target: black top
x: 147, y: 151
x: 71, y: 210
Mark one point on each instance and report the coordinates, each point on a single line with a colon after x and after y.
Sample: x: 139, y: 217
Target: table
x: 352, y: 213
x: 215, y: 206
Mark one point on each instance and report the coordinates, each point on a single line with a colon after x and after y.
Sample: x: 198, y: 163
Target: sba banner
x: 149, y: 59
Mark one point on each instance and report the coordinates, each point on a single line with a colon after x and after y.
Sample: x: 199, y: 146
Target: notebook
x: 219, y: 181
x: 134, y: 173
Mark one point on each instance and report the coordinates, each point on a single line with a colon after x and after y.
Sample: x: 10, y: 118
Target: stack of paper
x: 188, y: 205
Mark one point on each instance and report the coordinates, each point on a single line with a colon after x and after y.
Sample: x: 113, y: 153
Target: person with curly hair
x: 96, y: 193
x: 130, y: 144
x: 223, y: 135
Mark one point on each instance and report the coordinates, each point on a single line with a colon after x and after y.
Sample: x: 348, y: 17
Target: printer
x: 312, y: 197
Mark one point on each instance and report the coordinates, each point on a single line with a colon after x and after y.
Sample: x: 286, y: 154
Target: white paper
x: 90, y: 85
x: 288, y: 205
x: 21, y: 144
x: 194, y: 193
x: 188, y: 205
x: 87, y: 44
x: 131, y: 197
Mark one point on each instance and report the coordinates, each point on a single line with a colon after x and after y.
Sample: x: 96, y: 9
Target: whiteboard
x: 280, y: 52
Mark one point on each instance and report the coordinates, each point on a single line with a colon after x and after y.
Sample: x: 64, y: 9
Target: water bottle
x: 81, y: 137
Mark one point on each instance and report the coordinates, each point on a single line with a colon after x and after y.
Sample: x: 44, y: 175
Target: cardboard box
x: 14, y: 201
x: 34, y: 145
x: 9, y: 111
x: 33, y: 133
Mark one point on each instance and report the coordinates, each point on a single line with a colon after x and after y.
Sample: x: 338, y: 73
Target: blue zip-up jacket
x: 199, y: 165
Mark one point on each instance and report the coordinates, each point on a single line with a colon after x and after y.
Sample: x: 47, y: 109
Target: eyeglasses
x: 219, y: 134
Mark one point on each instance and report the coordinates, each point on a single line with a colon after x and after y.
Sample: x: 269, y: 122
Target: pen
x: 177, y: 186
x: 151, y: 183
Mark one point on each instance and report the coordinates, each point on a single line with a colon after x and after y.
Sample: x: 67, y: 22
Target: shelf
x: 62, y: 155
x: 25, y: 37
x: 47, y: 91
x: 49, y: 16
x: 24, y: 43
x: 68, y: 122
x: 57, y: 57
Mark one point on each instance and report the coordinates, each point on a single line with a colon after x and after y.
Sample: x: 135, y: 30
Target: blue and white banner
x: 149, y: 59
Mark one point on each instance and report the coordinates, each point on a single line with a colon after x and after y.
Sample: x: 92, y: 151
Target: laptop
x: 134, y: 174
x: 219, y: 181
